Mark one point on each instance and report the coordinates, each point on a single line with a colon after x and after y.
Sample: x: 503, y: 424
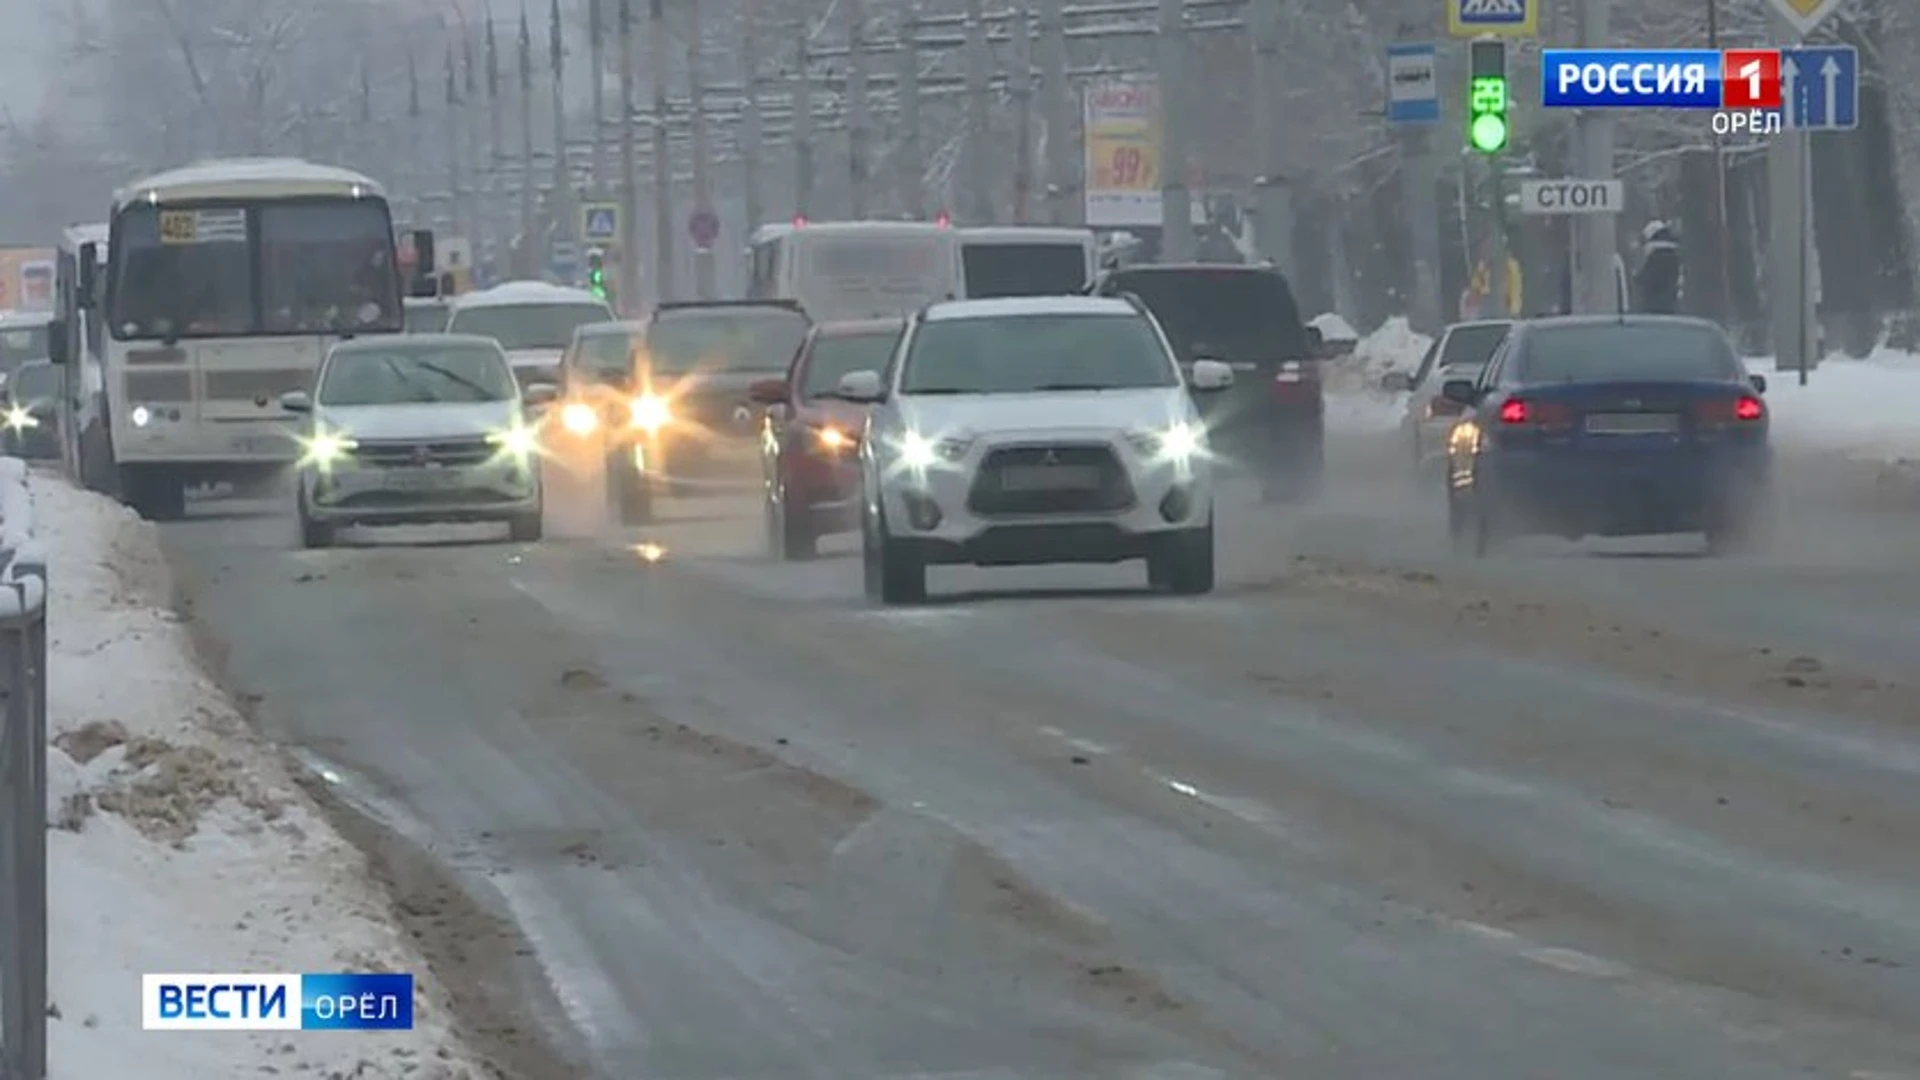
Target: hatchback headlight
x: 919, y: 452
x: 579, y: 418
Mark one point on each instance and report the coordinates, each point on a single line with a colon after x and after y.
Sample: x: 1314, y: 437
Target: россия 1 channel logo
x: 1744, y: 87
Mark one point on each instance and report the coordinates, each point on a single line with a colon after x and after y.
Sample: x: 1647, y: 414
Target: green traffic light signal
x: 1489, y: 133
x: 1487, y: 113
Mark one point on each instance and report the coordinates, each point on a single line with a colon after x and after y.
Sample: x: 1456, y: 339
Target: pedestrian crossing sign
x: 600, y: 223
x: 1507, y: 18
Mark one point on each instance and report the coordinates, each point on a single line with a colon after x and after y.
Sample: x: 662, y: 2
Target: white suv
x: 1035, y: 430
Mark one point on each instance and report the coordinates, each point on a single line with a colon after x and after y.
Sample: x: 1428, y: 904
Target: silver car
x: 414, y: 429
x: 1459, y: 352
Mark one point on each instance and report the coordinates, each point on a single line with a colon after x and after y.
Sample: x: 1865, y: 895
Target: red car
x: 810, y: 446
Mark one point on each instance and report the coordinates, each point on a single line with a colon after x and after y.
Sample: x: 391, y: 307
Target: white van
x: 532, y: 320
x: 1026, y: 260
x: 840, y: 271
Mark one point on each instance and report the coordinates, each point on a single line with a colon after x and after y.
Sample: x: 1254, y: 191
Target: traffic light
x: 597, y: 273
x: 1487, y: 97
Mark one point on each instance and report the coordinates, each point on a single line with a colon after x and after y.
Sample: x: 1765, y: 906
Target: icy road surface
x: 1604, y: 812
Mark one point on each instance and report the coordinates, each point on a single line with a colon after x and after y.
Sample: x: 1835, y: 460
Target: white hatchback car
x: 417, y: 429
x: 1036, y: 430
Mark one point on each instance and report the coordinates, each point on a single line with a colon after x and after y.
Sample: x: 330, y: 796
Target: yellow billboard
x: 1123, y: 153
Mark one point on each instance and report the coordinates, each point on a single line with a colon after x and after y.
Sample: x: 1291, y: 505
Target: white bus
x: 86, y: 450
x: 1026, y: 260
x: 846, y: 270
x: 225, y: 284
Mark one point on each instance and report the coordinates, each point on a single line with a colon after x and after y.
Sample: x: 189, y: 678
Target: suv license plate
x: 1049, y: 478
x: 422, y: 479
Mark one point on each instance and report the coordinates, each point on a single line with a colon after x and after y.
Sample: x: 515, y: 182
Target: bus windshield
x: 260, y: 268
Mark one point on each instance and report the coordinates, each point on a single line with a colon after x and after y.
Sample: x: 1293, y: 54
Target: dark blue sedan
x: 1609, y: 426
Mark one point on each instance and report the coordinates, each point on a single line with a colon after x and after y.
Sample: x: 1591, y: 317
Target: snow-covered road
x: 179, y: 841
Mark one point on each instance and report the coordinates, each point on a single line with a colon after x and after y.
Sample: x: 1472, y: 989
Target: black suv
x: 1271, y: 422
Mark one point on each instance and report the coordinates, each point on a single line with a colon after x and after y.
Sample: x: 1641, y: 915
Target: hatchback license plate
x: 1633, y: 423
x: 1049, y: 478
x: 422, y: 479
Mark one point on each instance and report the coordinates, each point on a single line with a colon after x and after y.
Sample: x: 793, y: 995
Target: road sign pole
x: 704, y: 270
x: 1596, y: 236
x: 1789, y: 229
x: 1413, y: 105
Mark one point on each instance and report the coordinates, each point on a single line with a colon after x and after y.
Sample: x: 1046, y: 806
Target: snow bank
x: 1869, y: 409
x: 180, y: 843
x: 1355, y: 402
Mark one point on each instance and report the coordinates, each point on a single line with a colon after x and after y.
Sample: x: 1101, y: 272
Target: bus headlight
x: 579, y: 418
x: 141, y: 416
x: 649, y: 412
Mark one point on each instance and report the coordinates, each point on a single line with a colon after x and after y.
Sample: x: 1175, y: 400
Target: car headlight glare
x: 579, y: 418
x: 327, y: 448
x: 517, y: 442
x: 650, y: 412
x: 832, y: 439
x: 141, y: 416
x: 920, y: 452
x: 20, y: 419
x: 1177, y: 442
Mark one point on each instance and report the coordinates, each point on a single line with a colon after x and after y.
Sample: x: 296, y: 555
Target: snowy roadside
x: 179, y: 842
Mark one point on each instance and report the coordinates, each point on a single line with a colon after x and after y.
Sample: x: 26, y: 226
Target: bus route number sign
x: 203, y: 226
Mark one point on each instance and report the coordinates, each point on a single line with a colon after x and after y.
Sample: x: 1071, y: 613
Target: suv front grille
x: 415, y: 453
x: 1087, y: 478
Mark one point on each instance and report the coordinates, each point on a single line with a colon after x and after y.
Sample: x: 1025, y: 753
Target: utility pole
x: 497, y: 155
x: 560, y: 205
x: 663, y: 246
x: 629, y: 294
x: 1056, y: 108
x: 803, y: 123
x: 703, y: 268
x: 859, y: 120
x: 1722, y: 240
x: 1022, y: 83
x: 1176, y: 200
x: 752, y: 124
x: 911, y: 163
x: 1790, y: 231
x: 1272, y: 199
x: 455, y: 124
x: 1597, y: 236
x: 597, y: 62
x: 528, y: 231
x: 979, y: 148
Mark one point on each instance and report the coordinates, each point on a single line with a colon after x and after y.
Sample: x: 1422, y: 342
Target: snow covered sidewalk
x: 180, y: 843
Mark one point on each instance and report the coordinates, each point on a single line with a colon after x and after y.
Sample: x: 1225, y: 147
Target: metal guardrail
x: 23, y: 783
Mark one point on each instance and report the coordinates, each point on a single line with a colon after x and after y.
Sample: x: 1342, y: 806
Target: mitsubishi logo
x: 1632, y: 403
x: 1051, y: 458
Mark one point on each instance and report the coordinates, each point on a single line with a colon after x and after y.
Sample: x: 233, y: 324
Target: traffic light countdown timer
x: 1487, y: 96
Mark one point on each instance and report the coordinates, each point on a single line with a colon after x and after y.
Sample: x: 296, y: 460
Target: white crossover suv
x: 1034, y: 430
x: 415, y: 429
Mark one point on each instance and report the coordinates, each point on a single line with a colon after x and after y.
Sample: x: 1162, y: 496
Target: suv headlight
x: 518, y: 443
x: 326, y: 449
x: 920, y: 453
x: 1179, y: 442
x: 649, y: 412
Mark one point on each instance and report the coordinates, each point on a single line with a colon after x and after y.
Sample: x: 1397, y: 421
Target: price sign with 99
x: 1129, y: 167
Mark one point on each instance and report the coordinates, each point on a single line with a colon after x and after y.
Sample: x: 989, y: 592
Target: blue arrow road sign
x: 1821, y: 88
x: 1413, y: 90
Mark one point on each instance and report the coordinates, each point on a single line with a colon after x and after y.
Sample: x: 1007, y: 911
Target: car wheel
x: 632, y: 492
x: 1467, y: 526
x: 894, y: 572
x: 156, y: 493
x: 525, y: 528
x: 1742, y: 530
x: 1184, y: 564
x: 798, y: 541
x: 313, y: 534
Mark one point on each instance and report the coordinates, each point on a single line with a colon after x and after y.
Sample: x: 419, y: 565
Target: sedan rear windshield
x: 1025, y: 354
x: 725, y: 339
x: 1235, y: 315
x: 1610, y: 352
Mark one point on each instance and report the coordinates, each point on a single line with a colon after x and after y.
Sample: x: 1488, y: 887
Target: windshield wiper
x: 1063, y: 387
x: 455, y: 377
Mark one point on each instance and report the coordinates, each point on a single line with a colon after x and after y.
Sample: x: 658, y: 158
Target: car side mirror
x: 1210, y: 375
x: 89, y: 271
x: 861, y: 386
x: 768, y: 392
x: 1759, y: 383
x: 539, y: 394
x: 1396, y: 382
x: 296, y: 401
x: 1460, y: 391
x: 58, y: 346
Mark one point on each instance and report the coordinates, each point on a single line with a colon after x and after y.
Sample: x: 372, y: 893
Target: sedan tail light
x: 1726, y: 412
x: 1519, y: 413
x: 1296, y: 380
